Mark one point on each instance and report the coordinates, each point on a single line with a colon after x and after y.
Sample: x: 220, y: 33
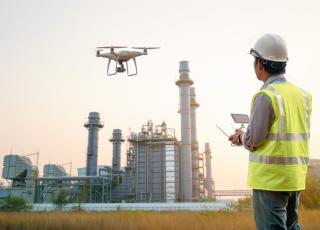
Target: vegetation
x: 135, y: 220
x: 61, y: 200
x: 242, y: 204
x: 310, y: 198
x: 14, y: 204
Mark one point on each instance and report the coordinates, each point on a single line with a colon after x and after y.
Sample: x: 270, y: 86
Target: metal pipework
x: 93, y: 125
x: 208, y: 170
x: 194, y: 146
x: 116, y: 156
x: 184, y: 84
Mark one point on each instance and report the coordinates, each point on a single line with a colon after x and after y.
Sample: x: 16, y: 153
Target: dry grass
x: 140, y: 220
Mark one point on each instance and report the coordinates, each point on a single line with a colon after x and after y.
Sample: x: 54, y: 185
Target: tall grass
x: 140, y: 220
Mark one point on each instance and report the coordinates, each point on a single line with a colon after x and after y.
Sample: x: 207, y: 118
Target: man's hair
x: 272, y: 67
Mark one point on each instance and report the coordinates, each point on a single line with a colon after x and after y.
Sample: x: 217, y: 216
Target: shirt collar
x: 273, y: 79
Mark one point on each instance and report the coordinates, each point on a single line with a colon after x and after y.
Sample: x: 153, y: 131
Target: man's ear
x: 260, y: 65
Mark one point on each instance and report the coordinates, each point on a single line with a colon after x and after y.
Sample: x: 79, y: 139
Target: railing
x: 232, y: 193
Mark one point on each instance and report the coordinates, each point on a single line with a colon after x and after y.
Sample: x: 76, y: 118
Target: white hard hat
x: 270, y: 47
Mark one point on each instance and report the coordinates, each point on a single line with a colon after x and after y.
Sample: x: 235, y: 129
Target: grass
x: 134, y: 220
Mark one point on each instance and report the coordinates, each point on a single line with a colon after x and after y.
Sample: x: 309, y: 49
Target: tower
x: 93, y: 125
x: 116, y: 155
x: 184, y: 84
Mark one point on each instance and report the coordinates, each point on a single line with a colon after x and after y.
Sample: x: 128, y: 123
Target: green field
x: 310, y: 220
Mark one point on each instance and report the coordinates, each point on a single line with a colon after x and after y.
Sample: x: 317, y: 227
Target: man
x: 277, y: 138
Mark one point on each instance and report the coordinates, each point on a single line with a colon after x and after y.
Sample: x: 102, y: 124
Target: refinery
x: 159, y: 167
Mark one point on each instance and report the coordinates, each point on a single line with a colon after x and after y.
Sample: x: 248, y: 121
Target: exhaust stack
x: 184, y: 84
x: 93, y: 125
x: 116, y: 156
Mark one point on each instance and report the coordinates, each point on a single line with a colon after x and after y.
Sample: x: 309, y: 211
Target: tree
x: 61, y: 200
x: 242, y: 204
x: 14, y: 204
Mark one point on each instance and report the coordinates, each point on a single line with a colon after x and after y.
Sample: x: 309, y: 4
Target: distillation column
x: 116, y: 156
x: 208, y: 170
x: 93, y: 125
x: 184, y: 84
x: 194, y: 146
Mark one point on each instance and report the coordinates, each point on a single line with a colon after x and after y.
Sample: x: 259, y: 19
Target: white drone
x: 121, y: 57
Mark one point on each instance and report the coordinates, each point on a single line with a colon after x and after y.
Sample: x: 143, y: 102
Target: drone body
x: 121, y: 57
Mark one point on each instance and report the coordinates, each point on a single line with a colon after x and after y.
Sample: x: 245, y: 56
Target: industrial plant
x: 159, y: 168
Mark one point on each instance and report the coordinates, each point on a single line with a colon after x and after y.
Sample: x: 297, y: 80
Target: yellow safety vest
x: 281, y: 162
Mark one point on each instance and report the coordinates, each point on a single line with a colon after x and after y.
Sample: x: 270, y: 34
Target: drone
x: 121, y: 57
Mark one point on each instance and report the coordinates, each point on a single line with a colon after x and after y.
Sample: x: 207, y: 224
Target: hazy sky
x: 50, y: 78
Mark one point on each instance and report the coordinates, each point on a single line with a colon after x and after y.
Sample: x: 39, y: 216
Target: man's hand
x: 236, y: 137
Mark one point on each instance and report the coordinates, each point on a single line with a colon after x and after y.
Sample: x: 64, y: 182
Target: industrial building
x: 159, y: 168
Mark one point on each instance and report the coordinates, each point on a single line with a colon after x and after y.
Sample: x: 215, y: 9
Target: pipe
x: 208, y: 170
x: 194, y: 146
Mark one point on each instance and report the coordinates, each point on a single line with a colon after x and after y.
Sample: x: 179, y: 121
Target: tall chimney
x: 184, y: 84
x: 194, y: 146
x: 208, y: 170
x: 116, y: 156
x: 93, y: 125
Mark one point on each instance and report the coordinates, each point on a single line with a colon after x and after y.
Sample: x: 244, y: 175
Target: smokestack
x: 208, y: 170
x: 93, y: 125
x: 184, y: 84
x: 194, y: 146
x: 116, y: 156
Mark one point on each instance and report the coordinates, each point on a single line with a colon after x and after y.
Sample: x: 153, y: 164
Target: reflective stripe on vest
x: 288, y: 137
x: 278, y: 160
x: 282, y: 117
x: 306, y: 101
x: 282, y: 135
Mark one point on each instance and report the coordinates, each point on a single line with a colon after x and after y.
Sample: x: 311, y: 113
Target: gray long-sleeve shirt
x: 261, y: 118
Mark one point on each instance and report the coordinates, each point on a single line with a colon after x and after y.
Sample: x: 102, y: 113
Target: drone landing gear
x: 119, y: 68
x: 135, y: 64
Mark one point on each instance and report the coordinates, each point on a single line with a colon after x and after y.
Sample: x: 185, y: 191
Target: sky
x: 50, y: 78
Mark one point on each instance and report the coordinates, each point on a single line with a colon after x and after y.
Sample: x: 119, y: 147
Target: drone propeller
x: 145, y: 48
x: 111, y: 47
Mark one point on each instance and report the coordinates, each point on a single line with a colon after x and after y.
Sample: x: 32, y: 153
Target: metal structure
x: 208, y: 180
x: 19, y: 170
x: 184, y: 84
x: 52, y: 170
x: 14, y: 166
x: 93, y: 125
x: 116, y: 155
x: 194, y: 146
x: 153, y: 167
x: 221, y: 193
x: 77, y: 189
